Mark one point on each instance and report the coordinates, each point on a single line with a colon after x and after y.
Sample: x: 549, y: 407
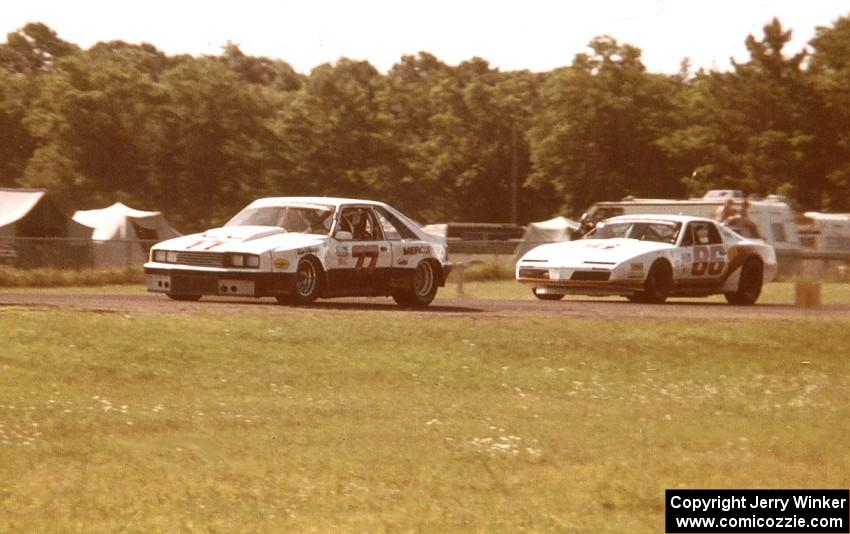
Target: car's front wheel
x: 547, y: 296
x: 183, y: 298
x: 657, y: 286
x: 749, y: 285
x: 423, y: 288
x: 308, y: 283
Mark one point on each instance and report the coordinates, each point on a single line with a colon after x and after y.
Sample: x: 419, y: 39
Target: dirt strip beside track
x: 447, y: 307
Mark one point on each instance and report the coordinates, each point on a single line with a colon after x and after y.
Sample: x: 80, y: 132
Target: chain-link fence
x: 66, y: 253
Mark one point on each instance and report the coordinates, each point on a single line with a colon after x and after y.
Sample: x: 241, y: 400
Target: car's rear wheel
x: 183, y: 298
x: 657, y: 286
x: 423, y: 288
x: 308, y: 283
x: 749, y: 285
x: 547, y: 296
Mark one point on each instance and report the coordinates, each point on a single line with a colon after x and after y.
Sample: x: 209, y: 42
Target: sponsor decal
x: 416, y: 250
x: 342, y: 250
x: 402, y: 261
x: 342, y: 260
x: 636, y: 267
x: 307, y: 250
x: 281, y: 263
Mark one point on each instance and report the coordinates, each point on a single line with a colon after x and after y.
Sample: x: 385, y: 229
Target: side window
x: 701, y: 233
x: 713, y: 234
x: 394, y: 228
x: 361, y: 223
x: 390, y: 231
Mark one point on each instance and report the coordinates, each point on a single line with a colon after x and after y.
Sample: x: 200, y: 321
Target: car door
x: 703, y: 255
x: 360, y: 256
x: 408, y: 248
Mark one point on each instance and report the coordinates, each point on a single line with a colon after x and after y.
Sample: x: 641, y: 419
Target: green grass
x: 378, y: 422
x: 69, y: 278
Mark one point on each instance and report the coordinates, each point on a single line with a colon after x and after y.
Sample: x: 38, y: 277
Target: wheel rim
x: 423, y: 279
x: 306, y: 279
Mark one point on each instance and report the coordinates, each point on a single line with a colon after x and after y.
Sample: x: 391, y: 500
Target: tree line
x: 200, y: 137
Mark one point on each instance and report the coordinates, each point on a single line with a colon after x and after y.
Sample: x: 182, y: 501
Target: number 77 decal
x: 709, y: 261
x: 361, y: 252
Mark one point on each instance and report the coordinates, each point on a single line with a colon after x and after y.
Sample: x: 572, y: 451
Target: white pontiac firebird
x: 647, y: 258
x: 298, y: 249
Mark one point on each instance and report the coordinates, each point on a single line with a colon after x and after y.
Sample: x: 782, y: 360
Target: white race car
x: 647, y: 258
x: 299, y: 249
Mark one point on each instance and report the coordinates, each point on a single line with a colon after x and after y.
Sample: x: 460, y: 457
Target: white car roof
x: 659, y: 217
x: 327, y: 201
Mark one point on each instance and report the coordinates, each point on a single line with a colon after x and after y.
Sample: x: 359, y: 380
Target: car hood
x: 251, y: 239
x: 603, y: 251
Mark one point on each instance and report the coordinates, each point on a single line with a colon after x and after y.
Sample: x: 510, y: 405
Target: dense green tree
x: 830, y: 69
x: 215, y: 141
x: 596, y: 138
x: 33, y: 49
x: 16, y: 142
x: 335, y: 139
x: 756, y: 128
x: 93, y: 119
x: 198, y: 137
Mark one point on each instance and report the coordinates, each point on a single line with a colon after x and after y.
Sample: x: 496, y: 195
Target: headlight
x: 171, y: 256
x: 242, y: 260
x: 159, y: 255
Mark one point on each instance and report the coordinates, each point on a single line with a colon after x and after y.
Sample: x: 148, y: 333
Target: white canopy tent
x: 30, y: 213
x: 122, y: 234
x: 551, y: 231
x: 34, y: 232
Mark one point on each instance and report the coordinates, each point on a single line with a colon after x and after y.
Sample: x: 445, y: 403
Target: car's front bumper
x: 218, y: 282
x: 576, y: 280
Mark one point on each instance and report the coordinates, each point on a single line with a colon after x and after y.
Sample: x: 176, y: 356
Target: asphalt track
x: 610, y: 308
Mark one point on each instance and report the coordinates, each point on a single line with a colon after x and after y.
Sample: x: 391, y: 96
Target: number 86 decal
x: 709, y: 261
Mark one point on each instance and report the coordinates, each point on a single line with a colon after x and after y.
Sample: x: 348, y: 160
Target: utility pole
x: 514, y: 172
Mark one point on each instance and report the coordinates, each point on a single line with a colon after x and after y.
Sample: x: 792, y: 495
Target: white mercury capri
x: 298, y: 249
x: 647, y: 258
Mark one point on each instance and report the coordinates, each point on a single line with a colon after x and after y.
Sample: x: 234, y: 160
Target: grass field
x: 373, y: 423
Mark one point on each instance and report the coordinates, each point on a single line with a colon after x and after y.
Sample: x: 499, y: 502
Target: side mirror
x: 342, y: 235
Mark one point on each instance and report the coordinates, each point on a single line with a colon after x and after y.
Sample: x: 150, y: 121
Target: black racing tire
x: 546, y: 296
x: 749, y: 284
x: 423, y: 287
x: 183, y: 298
x: 658, y: 284
x: 307, y: 285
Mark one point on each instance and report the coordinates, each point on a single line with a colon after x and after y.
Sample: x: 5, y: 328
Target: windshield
x: 661, y: 231
x: 306, y: 219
